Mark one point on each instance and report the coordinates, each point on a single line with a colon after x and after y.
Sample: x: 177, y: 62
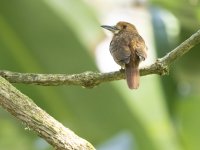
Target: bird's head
x: 120, y: 26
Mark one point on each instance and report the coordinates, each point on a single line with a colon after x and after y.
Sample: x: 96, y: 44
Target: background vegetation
x: 59, y: 36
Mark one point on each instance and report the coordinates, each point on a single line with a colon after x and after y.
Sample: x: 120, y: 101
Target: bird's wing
x: 139, y: 46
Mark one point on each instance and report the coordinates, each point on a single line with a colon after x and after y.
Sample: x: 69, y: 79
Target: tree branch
x: 91, y: 79
x: 46, y: 126
x: 34, y: 118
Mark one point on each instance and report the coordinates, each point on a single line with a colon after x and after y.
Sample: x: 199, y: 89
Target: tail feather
x: 132, y: 75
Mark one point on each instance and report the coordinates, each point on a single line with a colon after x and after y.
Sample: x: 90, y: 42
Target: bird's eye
x: 124, y: 26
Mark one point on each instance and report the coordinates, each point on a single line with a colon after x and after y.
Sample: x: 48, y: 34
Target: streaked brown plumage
x: 128, y: 50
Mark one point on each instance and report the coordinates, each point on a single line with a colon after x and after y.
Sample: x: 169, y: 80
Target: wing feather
x: 138, y: 45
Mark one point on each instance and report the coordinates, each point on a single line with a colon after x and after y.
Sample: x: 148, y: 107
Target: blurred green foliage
x: 182, y: 87
x: 56, y: 36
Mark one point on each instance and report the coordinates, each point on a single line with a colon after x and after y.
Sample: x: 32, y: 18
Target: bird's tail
x: 132, y: 75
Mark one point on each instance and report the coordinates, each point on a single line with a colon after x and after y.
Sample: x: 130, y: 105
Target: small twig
x: 91, y: 79
x: 36, y: 119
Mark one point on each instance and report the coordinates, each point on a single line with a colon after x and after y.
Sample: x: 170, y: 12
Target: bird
x: 128, y: 49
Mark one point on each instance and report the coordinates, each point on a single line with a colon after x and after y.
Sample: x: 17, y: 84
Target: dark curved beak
x: 110, y: 28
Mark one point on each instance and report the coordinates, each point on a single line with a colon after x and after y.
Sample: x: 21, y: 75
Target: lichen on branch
x: 36, y: 119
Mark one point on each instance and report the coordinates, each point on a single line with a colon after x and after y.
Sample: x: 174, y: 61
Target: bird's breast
x: 119, y: 49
